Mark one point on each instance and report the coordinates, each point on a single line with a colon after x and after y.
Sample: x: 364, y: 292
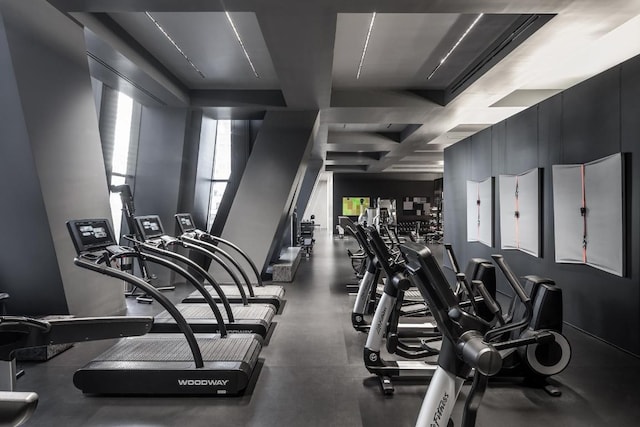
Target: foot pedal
x: 387, y: 386
x: 552, y: 390
x: 425, y: 346
x: 144, y: 299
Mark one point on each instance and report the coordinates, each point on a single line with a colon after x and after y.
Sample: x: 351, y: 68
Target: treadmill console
x: 185, y: 222
x: 150, y: 226
x: 91, y: 234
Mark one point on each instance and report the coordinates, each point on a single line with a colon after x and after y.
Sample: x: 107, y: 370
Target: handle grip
x: 491, y: 304
x: 511, y: 278
x: 538, y: 338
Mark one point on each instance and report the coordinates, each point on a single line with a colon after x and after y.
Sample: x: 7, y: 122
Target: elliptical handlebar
x: 511, y: 278
x: 381, y: 251
x: 522, y: 295
x: 452, y: 258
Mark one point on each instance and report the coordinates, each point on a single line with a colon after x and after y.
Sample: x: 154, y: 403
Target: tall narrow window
x: 120, y: 161
x: 221, y: 168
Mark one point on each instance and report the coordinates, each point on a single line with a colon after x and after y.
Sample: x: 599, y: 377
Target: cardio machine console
x: 185, y: 223
x: 91, y: 235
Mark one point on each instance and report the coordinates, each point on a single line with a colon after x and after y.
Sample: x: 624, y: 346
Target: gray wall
x: 266, y: 191
x: 594, y: 119
x: 159, y: 168
x: 51, y: 165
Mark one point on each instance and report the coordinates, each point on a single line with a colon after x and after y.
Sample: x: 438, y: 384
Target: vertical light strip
x: 366, y: 44
x: 442, y: 61
x: 244, y: 49
x: 184, y: 55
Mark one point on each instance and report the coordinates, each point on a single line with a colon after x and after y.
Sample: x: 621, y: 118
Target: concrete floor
x: 311, y: 374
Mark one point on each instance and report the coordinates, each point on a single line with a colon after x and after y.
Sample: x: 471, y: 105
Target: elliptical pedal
x: 387, y: 385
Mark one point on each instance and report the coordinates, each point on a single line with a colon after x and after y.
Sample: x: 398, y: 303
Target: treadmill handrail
x: 200, y: 246
x: 29, y: 332
x: 184, y: 273
x: 17, y: 407
x: 239, y: 250
x: 163, y: 300
x: 207, y: 296
x: 214, y: 249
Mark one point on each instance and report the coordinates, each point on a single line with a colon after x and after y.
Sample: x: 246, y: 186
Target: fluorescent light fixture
x: 244, y: 49
x: 442, y: 61
x: 366, y: 44
x: 184, y: 55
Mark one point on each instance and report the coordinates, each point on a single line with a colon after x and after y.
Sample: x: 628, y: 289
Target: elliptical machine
x: 465, y: 347
x: 548, y: 359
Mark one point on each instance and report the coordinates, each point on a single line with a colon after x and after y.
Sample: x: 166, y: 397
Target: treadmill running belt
x: 203, y: 311
x: 269, y: 290
x: 232, y: 291
x: 175, y: 349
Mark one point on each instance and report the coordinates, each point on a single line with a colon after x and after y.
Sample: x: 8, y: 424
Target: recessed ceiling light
x: 442, y: 61
x: 244, y: 49
x: 366, y: 44
x: 184, y: 55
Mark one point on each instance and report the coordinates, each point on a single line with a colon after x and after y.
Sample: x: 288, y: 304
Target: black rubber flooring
x: 311, y: 374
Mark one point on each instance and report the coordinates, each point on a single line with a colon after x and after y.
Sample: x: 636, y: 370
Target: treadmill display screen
x: 185, y: 222
x: 150, y: 226
x: 90, y: 234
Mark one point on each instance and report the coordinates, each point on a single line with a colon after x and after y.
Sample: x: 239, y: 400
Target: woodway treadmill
x: 247, y: 318
x: 159, y: 364
x: 258, y: 292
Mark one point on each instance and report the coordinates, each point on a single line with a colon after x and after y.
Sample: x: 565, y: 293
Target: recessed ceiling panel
x: 404, y: 48
x: 367, y: 127
x: 209, y: 41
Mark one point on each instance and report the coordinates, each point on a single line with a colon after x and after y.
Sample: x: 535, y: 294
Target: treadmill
x: 18, y: 332
x: 254, y: 318
x: 258, y: 291
x: 159, y: 364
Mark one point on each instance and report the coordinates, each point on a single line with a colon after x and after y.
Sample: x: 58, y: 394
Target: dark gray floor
x: 312, y: 375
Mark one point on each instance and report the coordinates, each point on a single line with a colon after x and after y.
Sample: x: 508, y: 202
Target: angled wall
x: 51, y: 164
x: 591, y: 120
x: 267, y: 190
x: 159, y: 169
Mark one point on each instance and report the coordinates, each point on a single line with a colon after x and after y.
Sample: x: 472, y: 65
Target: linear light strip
x: 184, y: 55
x: 244, y: 49
x: 366, y: 44
x: 442, y: 61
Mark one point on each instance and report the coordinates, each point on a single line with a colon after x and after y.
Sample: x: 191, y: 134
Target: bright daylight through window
x: 122, y: 136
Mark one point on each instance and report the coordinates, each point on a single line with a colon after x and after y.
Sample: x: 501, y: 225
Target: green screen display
x: 354, y: 206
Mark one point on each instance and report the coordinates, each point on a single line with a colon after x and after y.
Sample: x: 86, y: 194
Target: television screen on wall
x: 354, y: 206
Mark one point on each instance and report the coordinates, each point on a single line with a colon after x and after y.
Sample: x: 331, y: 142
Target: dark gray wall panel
x: 159, y: 168
x: 456, y: 172
x: 591, y: 118
x: 630, y: 137
x: 268, y: 186
x: 521, y: 142
x: 481, y: 153
x: 62, y: 129
x: 549, y: 153
x: 498, y: 148
x: 594, y: 119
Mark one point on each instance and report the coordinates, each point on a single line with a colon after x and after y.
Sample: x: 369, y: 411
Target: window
x: 221, y: 168
x: 120, y: 159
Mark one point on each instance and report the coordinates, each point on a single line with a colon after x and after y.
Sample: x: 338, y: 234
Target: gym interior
x: 386, y: 213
